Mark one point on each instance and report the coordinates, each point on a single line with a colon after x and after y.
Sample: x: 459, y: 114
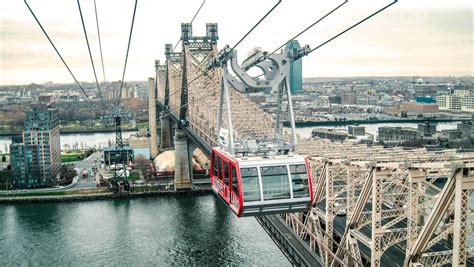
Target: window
x: 214, y: 162
x: 219, y: 168
x: 299, y: 179
x: 226, y: 173
x: 235, y: 181
x: 250, y: 184
x: 275, y: 182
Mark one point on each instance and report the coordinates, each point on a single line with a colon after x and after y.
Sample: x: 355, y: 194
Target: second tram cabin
x: 254, y: 186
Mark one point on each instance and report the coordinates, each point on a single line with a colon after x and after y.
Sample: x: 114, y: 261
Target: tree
x: 67, y: 174
x: 5, y: 179
x: 141, y: 164
x: 4, y: 159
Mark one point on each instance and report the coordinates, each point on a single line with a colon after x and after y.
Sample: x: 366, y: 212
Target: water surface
x: 149, y: 231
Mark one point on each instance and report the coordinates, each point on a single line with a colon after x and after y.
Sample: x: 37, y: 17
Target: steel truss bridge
x: 373, y: 206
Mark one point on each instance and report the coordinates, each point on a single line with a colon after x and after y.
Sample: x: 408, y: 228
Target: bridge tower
x: 193, y: 49
x: 171, y: 67
x: 152, y: 118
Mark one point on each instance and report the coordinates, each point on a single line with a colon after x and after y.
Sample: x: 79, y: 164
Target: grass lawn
x: 72, y: 156
x: 142, y: 125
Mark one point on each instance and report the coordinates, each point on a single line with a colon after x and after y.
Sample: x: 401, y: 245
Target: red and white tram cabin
x: 256, y: 185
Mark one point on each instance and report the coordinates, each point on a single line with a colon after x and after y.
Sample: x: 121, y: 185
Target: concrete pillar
x: 152, y: 118
x: 183, y: 163
x: 165, y: 137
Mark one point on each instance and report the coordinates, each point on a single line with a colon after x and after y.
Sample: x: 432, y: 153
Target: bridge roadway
x: 294, y: 248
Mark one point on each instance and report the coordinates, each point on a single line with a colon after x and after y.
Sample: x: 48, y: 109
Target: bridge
x: 373, y: 206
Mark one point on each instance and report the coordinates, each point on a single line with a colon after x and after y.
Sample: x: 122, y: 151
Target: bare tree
x: 141, y: 163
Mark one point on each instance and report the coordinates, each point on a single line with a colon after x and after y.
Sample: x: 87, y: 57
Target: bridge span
x: 373, y: 206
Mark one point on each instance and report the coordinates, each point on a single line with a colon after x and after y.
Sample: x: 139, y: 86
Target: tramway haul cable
x: 100, y: 43
x: 55, y: 49
x: 309, y: 27
x: 90, y: 53
x: 255, y: 26
x: 126, y: 56
x: 350, y: 28
x: 195, y: 15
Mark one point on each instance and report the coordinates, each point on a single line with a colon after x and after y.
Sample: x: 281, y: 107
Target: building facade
x: 348, y: 98
x: 296, y: 69
x: 398, y: 134
x: 460, y: 101
x: 36, y: 154
x: 414, y: 107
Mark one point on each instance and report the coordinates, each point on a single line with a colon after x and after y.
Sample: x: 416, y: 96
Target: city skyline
x: 408, y: 39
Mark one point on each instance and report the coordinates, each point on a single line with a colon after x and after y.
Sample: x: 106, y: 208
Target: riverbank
x: 77, y: 131
x: 353, y: 122
x: 93, y: 195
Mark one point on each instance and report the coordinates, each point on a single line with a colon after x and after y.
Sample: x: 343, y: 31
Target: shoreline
x: 359, y: 122
x: 74, y: 131
x: 98, y: 196
x: 286, y: 124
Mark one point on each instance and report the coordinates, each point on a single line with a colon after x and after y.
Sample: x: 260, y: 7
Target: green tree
x: 5, y: 179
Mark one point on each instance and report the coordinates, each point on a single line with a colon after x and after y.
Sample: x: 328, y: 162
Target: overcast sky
x: 413, y: 37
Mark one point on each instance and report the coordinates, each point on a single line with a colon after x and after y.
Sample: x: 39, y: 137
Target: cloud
x: 410, y: 38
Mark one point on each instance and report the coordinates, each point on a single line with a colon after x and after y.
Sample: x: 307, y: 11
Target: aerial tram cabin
x: 257, y: 185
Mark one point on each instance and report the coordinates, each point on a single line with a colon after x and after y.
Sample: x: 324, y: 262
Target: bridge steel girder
x: 397, y: 186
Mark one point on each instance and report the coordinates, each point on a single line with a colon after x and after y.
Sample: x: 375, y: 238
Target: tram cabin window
x: 235, y: 182
x: 226, y: 173
x: 250, y: 184
x: 275, y: 182
x: 216, y: 159
x: 219, y: 168
x: 299, y: 179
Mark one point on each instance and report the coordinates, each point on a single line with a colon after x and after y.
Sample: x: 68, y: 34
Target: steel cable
x: 309, y: 27
x: 126, y: 56
x: 195, y: 15
x: 90, y: 54
x: 55, y: 49
x: 255, y: 26
x: 350, y: 28
x: 100, y: 43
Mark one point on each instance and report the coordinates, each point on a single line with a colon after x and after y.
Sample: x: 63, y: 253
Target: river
x: 373, y: 128
x: 82, y: 139
x: 157, y: 231
x: 102, y: 139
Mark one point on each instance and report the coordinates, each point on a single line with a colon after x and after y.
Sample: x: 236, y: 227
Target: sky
x: 411, y: 38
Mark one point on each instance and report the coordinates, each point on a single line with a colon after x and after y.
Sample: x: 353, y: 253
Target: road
x: 86, y: 164
x: 78, y: 182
